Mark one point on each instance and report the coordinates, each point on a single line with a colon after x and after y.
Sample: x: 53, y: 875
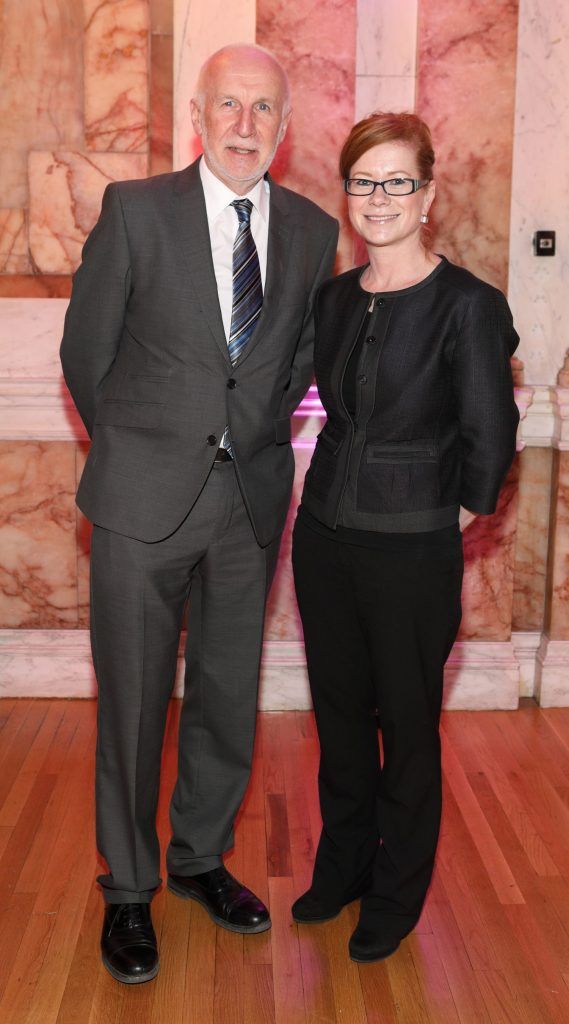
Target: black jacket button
x: 362, y: 379
x: 381, y: 302
x: 370, y: 340
x: 231, y: 383
x: 212, y: 439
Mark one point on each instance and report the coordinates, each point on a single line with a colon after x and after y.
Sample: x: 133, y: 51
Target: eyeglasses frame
x: 416, y: 182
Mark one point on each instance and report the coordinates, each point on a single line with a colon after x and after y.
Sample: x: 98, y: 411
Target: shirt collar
x: 218, y: 196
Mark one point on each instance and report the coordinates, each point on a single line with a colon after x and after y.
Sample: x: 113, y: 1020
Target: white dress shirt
x: 223, y: 223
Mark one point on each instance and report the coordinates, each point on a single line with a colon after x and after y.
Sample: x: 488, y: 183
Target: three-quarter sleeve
x: 484, y: 395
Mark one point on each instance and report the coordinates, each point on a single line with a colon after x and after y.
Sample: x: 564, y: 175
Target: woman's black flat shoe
x: 311, y: 909
x: 366, y: 946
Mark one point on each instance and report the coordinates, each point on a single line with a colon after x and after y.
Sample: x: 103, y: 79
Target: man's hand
x: 465, y: 518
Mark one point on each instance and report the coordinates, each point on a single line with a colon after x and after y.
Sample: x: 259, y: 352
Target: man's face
x: 241, y: 117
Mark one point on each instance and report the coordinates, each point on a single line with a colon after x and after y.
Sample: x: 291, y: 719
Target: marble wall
x: 77, y: 80
x: 96, y: 92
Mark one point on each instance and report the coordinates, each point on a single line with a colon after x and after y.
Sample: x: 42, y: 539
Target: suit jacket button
x: 212, y: 439
x: 362, y: 379
x: 231, y: 383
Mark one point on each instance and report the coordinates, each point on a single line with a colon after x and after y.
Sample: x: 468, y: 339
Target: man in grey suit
x: 187, y: 347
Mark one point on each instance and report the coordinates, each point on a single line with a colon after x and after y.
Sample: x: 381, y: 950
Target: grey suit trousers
x: 138, y: 594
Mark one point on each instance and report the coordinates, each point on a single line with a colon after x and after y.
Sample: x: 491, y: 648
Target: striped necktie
x: 247, y: 287
x: 247, y: 292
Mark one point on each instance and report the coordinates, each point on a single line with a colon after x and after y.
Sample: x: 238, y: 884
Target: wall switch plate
x: 544, y: 243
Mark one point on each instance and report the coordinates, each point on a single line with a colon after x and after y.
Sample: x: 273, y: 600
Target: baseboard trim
x: 57, y: 663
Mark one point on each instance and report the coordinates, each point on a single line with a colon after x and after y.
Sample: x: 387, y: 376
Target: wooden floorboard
x: 492, y: 945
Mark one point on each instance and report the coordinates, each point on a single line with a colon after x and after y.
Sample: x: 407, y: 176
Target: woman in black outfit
x: 412, y: 362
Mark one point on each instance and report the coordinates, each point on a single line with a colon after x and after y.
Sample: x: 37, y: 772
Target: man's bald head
x: 244, y: 53
x: 241, y: 111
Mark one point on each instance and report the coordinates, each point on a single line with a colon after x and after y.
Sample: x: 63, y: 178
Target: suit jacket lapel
x: 192, y: 228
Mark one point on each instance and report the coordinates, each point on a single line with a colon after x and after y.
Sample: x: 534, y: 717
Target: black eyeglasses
x: 391, y: 187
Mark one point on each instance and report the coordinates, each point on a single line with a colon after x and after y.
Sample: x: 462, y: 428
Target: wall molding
x: 57, y: 663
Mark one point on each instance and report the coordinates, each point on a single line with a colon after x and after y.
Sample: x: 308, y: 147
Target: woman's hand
x: 465, y: 518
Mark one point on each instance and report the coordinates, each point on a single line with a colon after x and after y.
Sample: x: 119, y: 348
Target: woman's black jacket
x: 435, y: 420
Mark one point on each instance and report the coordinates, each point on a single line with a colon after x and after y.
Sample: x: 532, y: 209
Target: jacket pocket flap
x: 402, y: 451
x: 115, y: 412
x: 330, y: 438
x: 282, y: 430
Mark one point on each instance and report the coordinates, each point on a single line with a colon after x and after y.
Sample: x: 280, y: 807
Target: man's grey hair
x: 200, y: 86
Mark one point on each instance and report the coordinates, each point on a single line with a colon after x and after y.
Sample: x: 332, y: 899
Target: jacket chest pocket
x: 399, y: 476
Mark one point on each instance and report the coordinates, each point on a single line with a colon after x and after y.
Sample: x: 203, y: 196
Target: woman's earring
x: 424, y: 218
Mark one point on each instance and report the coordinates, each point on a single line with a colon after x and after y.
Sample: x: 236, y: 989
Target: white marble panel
x: 57, y: 663
x: 380, y: 92
x: 552, y: 676
x: 387, y: 37
x: 38, y: 411
x: 30, y: 334
x: 200, y: 28
x: 539, y: 286
x: 526, y: 646
x: 46, y: 663
x: 541, y: 425
x: 482, y: 675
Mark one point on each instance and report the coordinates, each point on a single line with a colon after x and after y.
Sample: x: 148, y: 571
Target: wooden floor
x: 491, y: 946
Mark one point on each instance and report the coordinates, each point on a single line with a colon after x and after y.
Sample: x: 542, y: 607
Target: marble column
x: 538, y: 287
x: 539, y: 296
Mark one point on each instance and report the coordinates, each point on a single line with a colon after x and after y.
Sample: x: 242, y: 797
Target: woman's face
x: 384, y: 220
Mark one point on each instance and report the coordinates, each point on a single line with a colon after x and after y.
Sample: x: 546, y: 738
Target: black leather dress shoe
x: 128, y: 943
x: 367, y: 945
x: 227, y: 902
x: 312, y: 909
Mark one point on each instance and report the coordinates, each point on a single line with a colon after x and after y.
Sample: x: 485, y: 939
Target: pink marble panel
x: 65, y: 198
x: 14, y: 257
x: 532, y: 538
x: 465, y: 91
x: 161, y: 99
x: 38, y: 586
x: 35, y: 286
x: 162, y: 16
x: 316, y: 42
x: 487, y: 592
x: 41, y: 69
x: 283, y: 619
x: 557, y: 620
x: 116, y: 75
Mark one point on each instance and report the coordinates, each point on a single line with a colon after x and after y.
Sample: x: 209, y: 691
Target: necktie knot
x: 243, y: 207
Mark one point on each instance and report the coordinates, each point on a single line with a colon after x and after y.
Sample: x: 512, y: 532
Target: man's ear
x: 284, y: 125
x: 196, y: 116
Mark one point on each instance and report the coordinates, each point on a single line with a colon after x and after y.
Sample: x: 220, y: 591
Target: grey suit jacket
x: 145, y: 357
